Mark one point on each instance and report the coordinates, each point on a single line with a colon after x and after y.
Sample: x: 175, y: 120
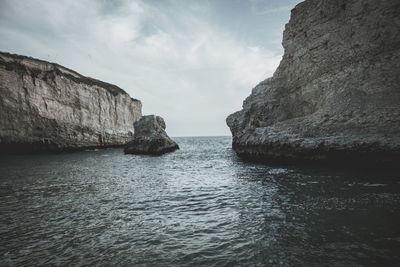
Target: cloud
x: 169, y: 54
x: 260, y: 12
x: 262, y: 7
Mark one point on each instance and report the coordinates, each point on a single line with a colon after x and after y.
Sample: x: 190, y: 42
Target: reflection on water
x: 198, y: 206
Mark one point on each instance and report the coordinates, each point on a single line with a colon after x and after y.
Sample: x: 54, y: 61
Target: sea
x: 198, y: 206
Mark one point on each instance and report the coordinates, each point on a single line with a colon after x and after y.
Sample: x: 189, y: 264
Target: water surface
x: 199, y: 206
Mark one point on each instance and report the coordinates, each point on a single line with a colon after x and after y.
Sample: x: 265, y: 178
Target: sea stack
x: 47, y: 107
x: 150, y: 137
x: 335, y: 96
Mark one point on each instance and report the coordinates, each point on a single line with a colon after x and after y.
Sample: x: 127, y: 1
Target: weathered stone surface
x: 47, y: 107
x: 336, y: 94
x: 150, y: 137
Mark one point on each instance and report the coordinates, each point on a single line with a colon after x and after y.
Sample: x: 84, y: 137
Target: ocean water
x: 199, y: 206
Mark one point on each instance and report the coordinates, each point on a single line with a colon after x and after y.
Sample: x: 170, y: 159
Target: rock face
x: 150, y: 137
x: 335, y: 96
x: 46, y: 107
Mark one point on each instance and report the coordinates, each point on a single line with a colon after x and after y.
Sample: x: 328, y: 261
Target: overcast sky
x: 191, y: 62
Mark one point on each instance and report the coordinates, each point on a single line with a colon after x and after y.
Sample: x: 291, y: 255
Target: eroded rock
x: 47, y: 107
x: 150, y: 137
x: 335, y: 96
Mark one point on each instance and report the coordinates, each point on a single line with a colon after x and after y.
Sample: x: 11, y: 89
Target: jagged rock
x: 335, y: 96
x: 150, y: 137
x: 44, y: 106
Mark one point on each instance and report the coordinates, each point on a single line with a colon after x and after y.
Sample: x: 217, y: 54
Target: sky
x: 193, y: 62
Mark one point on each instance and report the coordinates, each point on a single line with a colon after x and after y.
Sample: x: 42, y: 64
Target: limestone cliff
x: 336, y: 93
x: 45, y: 106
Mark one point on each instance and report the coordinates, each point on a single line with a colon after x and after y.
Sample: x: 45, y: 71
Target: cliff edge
x: 336, y: 94
x: 47, y: 107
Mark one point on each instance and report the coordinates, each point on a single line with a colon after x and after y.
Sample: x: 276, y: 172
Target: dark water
x: 200, y: 206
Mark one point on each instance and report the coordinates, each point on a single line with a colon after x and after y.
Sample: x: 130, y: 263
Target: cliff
x: 47, y: 107
x: 336, y: 93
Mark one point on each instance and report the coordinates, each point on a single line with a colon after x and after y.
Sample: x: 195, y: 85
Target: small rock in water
x: 150, y: 137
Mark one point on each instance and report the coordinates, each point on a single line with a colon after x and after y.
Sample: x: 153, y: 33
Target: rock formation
x: 335, y: 96
x: 150, y: 137
x: 45, y: 106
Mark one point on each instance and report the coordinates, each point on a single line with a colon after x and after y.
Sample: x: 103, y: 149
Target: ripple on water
x: 199, y: 206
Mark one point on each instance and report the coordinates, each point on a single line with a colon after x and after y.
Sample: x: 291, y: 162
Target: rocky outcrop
x: 335, y: 96
x: 47, y: 107
x: 150, y: 137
